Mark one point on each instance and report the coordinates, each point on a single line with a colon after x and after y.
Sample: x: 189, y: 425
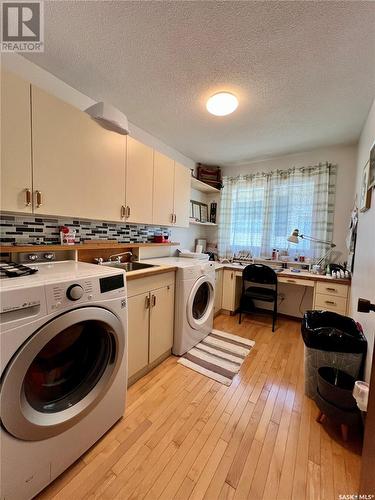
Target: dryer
x: 194, y: 301
x: 63, y: 369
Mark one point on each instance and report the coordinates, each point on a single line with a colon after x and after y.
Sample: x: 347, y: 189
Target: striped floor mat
x: 219, y: 356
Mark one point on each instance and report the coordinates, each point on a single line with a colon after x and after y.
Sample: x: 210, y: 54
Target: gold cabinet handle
x: 123, y: 211
x: 153, y: 300
x: 330, y: 302
x: 147, y: 304
x: 231, y: 275
x: 175, y: 218
x: 27, y: 197
x: 331, y: 289
x: 127, y: 211
x: 38, y: 195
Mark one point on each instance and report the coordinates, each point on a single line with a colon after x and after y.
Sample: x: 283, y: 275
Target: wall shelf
x: 202, y: 186
x: 207, y: 224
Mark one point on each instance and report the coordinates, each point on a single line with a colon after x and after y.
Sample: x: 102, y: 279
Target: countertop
x: 150, y: 271
x: 287, y: 273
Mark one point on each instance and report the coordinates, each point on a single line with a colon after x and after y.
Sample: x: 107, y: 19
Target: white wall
x: 363, y: 283
x: 50, y: 83
x: 345, y: 157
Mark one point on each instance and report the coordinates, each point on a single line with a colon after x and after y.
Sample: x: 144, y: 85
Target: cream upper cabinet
x: 16, y: 171
x: 161, y: 321
x: 138, y: 320
x: 163, y: 189
x: 139, y: 182
x: 182, y: 190
x: 79, y: 167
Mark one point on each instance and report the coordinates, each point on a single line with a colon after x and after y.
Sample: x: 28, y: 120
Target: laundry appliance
x: 63, y: 368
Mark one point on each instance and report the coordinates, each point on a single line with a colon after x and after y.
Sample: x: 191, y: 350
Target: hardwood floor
x: 186, y: 436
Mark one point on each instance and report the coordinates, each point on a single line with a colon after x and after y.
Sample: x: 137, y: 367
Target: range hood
x: 109, y: 117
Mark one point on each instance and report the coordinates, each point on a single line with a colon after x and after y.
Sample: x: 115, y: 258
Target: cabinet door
x: 16, y: 174
x: 163, y: 189
x: 218, y: 290
x: 229, y: 287
x: 161, y: 321
x: 182, y: 190
x: 138, y: 327
x: 139, y: 181
x: 79, y: 167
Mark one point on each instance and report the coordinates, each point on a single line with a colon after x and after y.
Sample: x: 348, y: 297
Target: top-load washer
x: 63, y: 342
x: 194, y: 301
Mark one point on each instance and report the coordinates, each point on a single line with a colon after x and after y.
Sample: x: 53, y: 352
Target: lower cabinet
x: 218, y: 291
x: 231, y: 291
x: 161, y: 322
x: 138, y: 326
x: 331, y: 297
x: 150, y: 322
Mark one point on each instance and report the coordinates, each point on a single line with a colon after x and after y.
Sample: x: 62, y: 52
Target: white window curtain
x: 259, y: 211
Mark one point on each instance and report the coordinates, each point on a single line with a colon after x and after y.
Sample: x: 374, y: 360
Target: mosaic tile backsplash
x: 28, y: 229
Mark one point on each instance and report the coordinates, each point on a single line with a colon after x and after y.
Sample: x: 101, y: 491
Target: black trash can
x: 331, y: 340
x: 336, y: 387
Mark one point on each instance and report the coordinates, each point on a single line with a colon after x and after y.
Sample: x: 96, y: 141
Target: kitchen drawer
x: 337, y: 311
x: 335, y: 289
x: 295, y: 281
x: 336, y: 304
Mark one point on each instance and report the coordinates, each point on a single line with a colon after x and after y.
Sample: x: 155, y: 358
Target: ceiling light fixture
x: 221, y: 104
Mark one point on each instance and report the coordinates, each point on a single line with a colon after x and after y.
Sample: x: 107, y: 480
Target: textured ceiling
x: 304, y: 72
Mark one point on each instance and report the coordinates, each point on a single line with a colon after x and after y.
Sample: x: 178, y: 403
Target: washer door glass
x: 201, y: 300
x: 200, y: 303
x: 62, y: 371
x: 68, y: 366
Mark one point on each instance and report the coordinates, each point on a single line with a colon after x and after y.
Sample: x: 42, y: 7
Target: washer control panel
x: 61, y: 295
x: 65, y: 294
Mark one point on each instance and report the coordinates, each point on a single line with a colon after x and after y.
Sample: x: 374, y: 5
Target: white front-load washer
x: 63, y: 343
x: 194, y: 301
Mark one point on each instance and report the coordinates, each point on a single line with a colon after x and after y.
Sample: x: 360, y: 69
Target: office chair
x: 262, y: 275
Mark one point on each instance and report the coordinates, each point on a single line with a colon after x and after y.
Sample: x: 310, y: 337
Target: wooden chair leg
x: 274, y: 316
x: 344, y: 432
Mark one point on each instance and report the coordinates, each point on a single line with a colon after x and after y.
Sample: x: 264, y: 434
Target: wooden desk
x: 327, y: 293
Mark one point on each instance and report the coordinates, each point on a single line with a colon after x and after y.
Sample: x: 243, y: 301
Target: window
x: 258, y: 212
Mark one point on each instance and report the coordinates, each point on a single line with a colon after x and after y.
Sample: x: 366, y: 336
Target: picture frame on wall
x: 365, y: 194
x: 196, y: 211
x: 204, y: 213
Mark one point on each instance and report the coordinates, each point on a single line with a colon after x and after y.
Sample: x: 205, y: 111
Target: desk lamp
x: 295, y: 236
